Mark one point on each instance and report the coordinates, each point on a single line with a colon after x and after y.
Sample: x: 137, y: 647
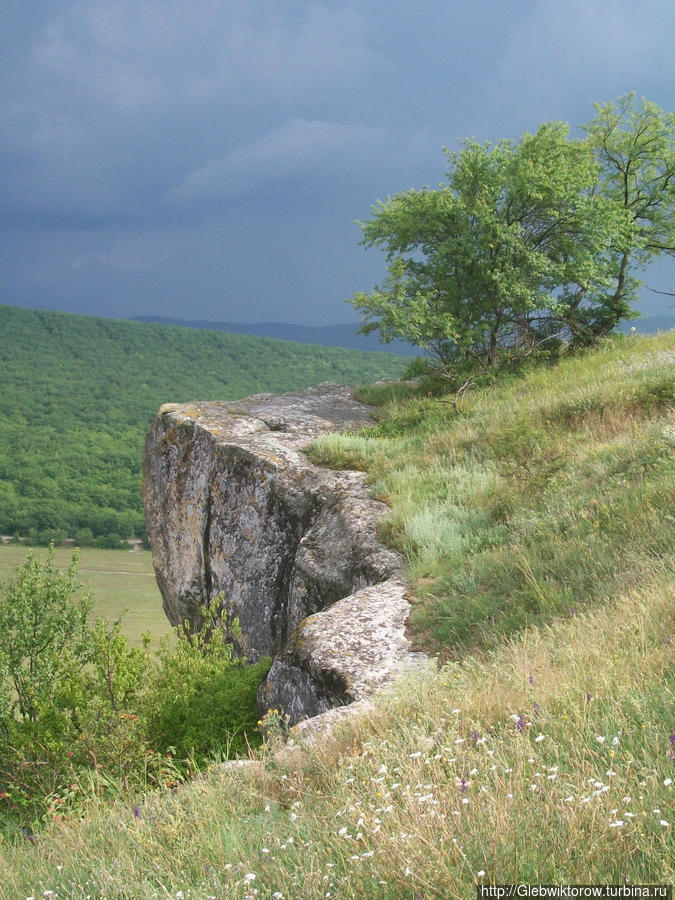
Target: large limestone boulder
x: 234, y: 506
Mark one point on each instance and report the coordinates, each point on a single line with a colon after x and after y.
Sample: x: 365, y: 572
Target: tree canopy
x: 527, y: 243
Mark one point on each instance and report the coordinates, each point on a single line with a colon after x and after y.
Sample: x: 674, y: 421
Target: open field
x: 121, y: 581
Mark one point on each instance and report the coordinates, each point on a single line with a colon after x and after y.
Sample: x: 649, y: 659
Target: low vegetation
x: 529, y: 499
x: 78, y: 393
x: 536, y: 515
x: 84, y: 713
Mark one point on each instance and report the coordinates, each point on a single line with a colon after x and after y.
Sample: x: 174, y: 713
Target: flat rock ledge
x: 235, y: 508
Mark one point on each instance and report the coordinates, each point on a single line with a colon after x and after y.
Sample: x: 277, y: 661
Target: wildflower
x: 463, y: 785
x: 537, y: 708
x: 617, y: 824
x: 667, y: 781
x: 531, y: 678
x: 249, y: 877
x: 600, y: 739
x: 539, y: 738
x: 27, y: 834
x: 480, y: 874
x: 589, y: 697
x: 615, y: 741
x: 137, y: 812
x: 664, y: 823
x: 520, y: 724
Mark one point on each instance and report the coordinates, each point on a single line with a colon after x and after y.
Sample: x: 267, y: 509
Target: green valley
x: 78, y: 393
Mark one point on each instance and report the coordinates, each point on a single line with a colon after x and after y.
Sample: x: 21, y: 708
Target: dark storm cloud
x: 212, y: 156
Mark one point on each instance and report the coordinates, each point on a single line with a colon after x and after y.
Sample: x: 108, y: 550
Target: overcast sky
x: 208, y: 158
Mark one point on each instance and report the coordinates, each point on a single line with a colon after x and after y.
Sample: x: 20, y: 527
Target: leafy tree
x: 635, y: 146
x: 526, y: 244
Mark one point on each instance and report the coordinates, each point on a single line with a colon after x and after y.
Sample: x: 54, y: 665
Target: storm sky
x: 207, y: 159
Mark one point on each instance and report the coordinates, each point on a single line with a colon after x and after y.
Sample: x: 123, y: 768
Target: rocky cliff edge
x: 234, y: 506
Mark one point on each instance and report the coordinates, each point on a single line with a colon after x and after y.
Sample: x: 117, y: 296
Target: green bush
x: 201, y: 701
x: 84, y: 716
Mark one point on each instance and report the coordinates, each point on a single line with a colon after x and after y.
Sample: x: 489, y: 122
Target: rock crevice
x: 233, y: 506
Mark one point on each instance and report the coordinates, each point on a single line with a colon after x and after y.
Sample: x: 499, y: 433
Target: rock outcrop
x: 234, y: 506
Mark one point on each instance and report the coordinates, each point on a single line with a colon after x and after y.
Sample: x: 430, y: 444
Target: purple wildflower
x: 520, y: 724
x: 537, y: 708
x: 475, y: 736
x: 572, y: 611
x: 27, y: 834
x: 531, y: 678
x: 589, y: 697
x: 463, y: 785
x: 137, y: 812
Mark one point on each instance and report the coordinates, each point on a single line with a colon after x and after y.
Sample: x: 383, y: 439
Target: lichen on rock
x: 233, y: 505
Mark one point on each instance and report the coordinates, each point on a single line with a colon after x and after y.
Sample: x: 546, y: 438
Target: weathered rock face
x: 233, y: 505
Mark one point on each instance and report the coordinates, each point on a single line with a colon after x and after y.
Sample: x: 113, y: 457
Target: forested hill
x: 79, y: 392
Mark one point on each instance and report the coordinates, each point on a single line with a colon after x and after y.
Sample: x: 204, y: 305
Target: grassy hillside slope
x: 78, y: 393
x: 537, y: 517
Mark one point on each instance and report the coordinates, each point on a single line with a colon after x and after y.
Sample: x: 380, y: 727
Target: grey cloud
x: 155, y: 154
x: 132, y: 54
x: 297, y: 148
x: 560, y: 58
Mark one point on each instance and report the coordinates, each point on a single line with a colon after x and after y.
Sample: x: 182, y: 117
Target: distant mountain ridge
x: 345, y: 335
x: 325, y: 335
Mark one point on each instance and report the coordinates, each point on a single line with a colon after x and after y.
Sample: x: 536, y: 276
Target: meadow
x: 121, y: 582
x: 537, y: 518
